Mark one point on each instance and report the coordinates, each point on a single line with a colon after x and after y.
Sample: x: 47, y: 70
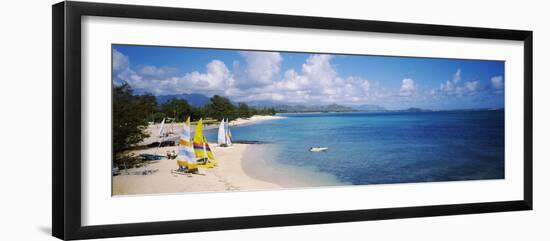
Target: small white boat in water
x: 318, y: 149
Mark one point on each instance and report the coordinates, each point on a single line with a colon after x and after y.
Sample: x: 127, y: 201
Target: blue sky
x: 312, y: 79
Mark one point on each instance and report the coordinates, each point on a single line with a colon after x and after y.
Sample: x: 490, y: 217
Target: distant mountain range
x: 199, y: 100
x: 370, y: 108
x: 413, y: 109
x: 315, y: 108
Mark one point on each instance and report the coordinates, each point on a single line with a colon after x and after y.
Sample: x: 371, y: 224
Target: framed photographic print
x: 169, y: 120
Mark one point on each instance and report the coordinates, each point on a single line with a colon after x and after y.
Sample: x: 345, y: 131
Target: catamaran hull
x: 318, y: 149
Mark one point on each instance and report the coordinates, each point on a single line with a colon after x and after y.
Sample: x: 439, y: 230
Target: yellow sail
x: 200, y: 144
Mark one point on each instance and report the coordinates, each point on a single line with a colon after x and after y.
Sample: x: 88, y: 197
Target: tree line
x: 218, y: 108
x: 132, y: 114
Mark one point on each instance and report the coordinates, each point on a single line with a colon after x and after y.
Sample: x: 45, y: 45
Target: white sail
x: 228, y: 133
x: 222, y: 140
x: 185, y: 152
x: 161, y: 130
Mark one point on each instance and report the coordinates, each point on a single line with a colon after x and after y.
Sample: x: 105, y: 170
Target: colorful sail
x: 222, y: 140
x: 228, y: 137
x: 186, y: 153
x: 200, y: 144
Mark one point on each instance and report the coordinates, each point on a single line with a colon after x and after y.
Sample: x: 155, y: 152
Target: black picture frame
x: 66, y: 159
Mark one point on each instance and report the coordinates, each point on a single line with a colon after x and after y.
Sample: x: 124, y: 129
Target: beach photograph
x: 198, y: 120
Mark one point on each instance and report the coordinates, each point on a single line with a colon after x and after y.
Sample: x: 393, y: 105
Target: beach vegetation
x: 215, y: 110
x: 221, y: 107
x: 244, y: 110
x: 157, y: 117
x: 178, y: 109
x: 131, y: 114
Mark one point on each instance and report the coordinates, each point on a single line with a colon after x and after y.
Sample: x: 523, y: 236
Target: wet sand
x: 241, y: 167
x: 229, y: 175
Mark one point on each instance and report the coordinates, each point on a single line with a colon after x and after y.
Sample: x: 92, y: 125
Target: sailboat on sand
x: 194, y: 153
x: 201, y: 147
x: 229, y: 138
x: 224, y: 134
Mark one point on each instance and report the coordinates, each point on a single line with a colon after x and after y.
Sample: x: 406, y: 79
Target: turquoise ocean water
x: 381, y: 148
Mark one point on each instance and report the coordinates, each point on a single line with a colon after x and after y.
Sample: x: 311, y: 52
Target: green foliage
x: 264, y: 111
x: 243, y: 110
x: 220, y: 107
x: 131, y: 114
x: 158, y: 116
x: 197, y: 113
x: 176, y: 108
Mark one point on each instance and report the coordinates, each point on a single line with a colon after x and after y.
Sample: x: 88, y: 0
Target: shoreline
x: 257, y: 166
x: 253, y: 120
x: 176, y: 128
x: 229, y: 175
x: 241, y: 167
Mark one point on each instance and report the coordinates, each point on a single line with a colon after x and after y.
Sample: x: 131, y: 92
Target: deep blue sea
x: 392, y: 147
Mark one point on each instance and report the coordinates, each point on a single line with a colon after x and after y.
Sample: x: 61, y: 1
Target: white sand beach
x: 174, y: 128
x: 254, y: 119
x: 228, y: 175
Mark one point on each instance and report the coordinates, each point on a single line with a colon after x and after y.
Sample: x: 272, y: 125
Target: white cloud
x: 156, y: 72
x: 160, y: 81
x: 317, y: 81
x: 317, y: 76
x: 451, y: 87
x: 497, y: 84
x: 366, y: 86
x: 448, y: 86
x: 456, y: 76
x: 471, y: 86
x: 163, y: 80
x: 292, y: 81
x: 120, y: 61
x: 122, y: 73
x: 407, y: 87
x: 455, y: 88
x: 318, y: 68
x: 260, y: 70
x: 215, y: 79
x: 259, y: 78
